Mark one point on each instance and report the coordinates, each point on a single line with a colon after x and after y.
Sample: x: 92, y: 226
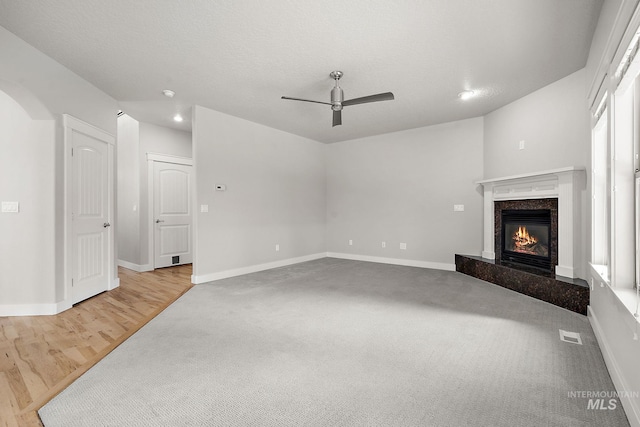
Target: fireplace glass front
x: 526, y: 236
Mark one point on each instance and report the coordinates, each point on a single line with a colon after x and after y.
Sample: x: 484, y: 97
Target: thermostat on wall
x: 221, y: 187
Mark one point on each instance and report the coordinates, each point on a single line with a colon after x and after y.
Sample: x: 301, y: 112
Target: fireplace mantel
x: 565, y: 184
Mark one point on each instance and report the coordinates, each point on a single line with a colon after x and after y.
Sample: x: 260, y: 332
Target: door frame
x: 70, y: 125
x: 164, y: 158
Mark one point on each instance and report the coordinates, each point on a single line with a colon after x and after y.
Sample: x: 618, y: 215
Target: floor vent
x: 572, y: 337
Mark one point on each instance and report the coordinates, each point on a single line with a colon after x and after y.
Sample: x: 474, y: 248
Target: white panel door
x: 90, y: 216
x: 172, y: 214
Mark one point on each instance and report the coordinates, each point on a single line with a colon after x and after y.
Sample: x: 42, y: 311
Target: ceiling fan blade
x: 387, y: 96
x: 305, y: 100
x: 337, y: 118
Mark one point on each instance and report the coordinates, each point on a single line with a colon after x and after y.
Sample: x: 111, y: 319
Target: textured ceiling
x: 240, y: 57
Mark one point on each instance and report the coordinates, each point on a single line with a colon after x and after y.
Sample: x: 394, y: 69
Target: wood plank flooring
x: 41, y: 355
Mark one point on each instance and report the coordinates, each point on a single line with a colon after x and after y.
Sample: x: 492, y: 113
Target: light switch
x: 458, y: 208
x: 204, y: 208
x: 10, y: 207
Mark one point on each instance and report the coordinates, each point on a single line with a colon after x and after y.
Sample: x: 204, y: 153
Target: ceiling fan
x: 338, y: 102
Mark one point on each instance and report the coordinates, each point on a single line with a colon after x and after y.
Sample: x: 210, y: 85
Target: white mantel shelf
x: 565, y: 184
x: 551, y: 172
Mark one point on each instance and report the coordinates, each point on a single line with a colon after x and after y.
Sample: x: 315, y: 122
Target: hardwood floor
x: 41, y: 355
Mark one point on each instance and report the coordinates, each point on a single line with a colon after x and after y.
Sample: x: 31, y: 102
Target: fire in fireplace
x: 526, y: 236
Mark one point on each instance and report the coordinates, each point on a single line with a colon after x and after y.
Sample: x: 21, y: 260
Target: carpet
x: 346, y: 343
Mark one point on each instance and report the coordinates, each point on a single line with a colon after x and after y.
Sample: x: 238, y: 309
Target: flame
x: 522, y: 238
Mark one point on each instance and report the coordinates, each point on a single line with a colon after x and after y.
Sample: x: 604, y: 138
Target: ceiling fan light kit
x: 337, y: 98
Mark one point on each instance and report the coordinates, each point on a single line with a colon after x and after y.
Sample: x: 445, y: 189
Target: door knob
x: 106, y: 224
x: 159, y: 220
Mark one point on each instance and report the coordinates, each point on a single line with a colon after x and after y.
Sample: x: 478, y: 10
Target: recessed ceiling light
x: 177, y: 118
x: 168, y: 93
x: 466, y: 94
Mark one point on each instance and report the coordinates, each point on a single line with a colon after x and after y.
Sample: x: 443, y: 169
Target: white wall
x: 128, y: 210
x: 46, y: 90
x: 612, y: 322
x: 164, y: 140
x: 27, y: 269
x: 614, y: 16
x: 275, y: 195
x: 553, y: 122
x: 401, y: 188
x: 60, y: 90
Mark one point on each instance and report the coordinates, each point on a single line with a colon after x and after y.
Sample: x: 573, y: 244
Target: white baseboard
x: 43, y: 309
x: 254, y: 268
x: 565, y: 271
x: 33, y: 309
x: 135, y: 267
x: 488, y: 254
x: 396, y: 261
x: 629, y: 404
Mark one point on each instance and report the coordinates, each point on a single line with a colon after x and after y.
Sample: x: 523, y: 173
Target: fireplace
x: 558, y: 192
x: 526, y: 232
x: 526, y: 237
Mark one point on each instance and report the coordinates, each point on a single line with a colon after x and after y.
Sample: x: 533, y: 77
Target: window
x: 600, y: 201
x: 615, y: 142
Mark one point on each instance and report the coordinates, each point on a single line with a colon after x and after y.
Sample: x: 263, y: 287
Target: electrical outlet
x: 403, y: 246
x: 458, y: 208
x: 384, y: 244
x: 204, y: 208
x: 350, y: 242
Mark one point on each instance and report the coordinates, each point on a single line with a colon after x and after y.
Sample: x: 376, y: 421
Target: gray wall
x: 275, y: 194
x: 401, y: 188
x: 553, y: 122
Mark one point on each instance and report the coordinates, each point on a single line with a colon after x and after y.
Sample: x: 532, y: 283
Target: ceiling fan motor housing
x: 336, y: 98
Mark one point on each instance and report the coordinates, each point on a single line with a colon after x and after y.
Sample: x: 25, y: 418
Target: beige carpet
x: 346, y: 343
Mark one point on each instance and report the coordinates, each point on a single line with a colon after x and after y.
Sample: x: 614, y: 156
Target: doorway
x: 171, y: 211
x: 89, y: 177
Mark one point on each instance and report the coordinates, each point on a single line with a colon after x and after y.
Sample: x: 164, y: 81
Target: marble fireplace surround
x: 563, y: 184
x: 550, y: 204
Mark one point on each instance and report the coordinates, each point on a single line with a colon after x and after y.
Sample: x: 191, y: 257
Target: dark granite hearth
x: 572, y: 294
